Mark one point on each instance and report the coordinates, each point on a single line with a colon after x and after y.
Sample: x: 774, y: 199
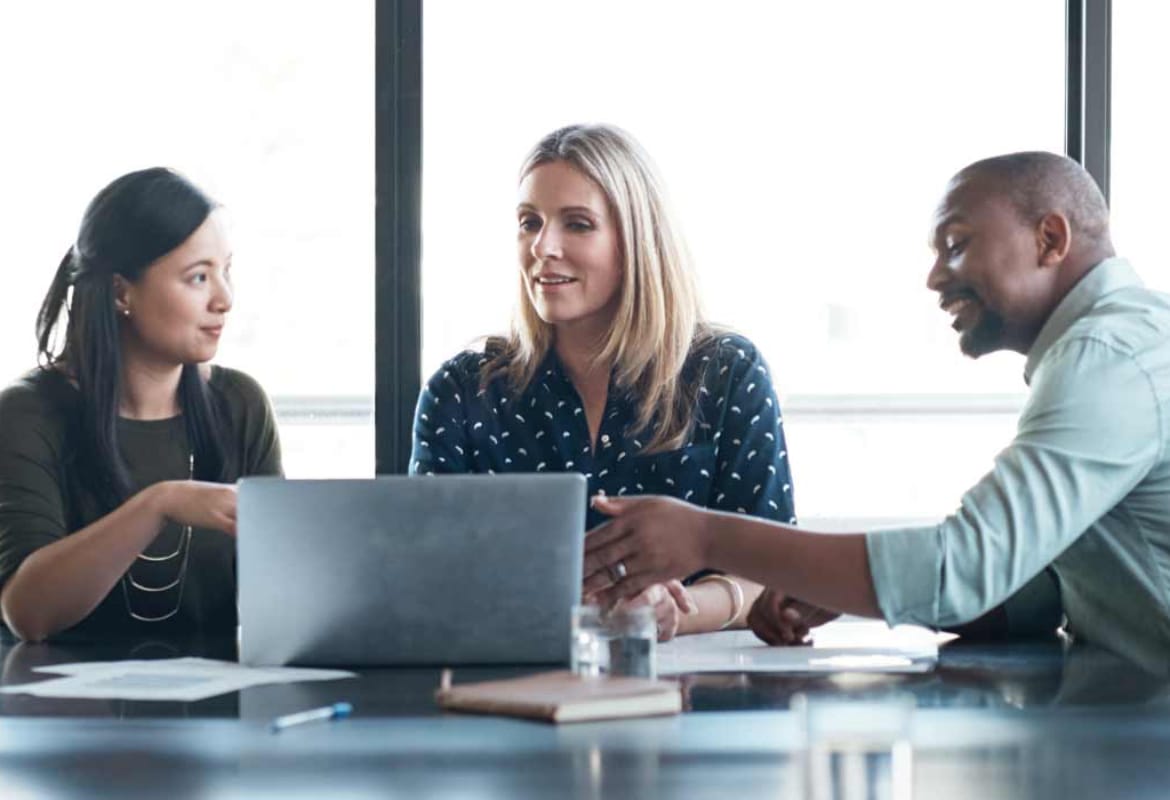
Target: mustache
x: 951, y: 295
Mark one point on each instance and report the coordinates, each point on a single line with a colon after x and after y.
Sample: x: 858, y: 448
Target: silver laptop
x: 467, y: 569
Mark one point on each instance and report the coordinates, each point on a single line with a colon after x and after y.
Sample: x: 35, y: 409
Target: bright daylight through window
x: 1140, y: 166
x: 275, y: 120
x: 784, y: 134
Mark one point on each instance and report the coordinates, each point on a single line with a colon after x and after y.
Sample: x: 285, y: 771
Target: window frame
x: 398, y: 221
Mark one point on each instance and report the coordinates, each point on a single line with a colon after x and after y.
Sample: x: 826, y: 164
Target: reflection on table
x: 1019, y: 720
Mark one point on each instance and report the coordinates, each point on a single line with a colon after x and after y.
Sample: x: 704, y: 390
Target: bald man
x: 1025, y: 263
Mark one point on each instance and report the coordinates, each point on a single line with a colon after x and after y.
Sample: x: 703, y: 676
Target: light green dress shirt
x: 1084, y: 486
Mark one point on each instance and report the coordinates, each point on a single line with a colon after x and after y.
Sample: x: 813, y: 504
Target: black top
x: 42, y: 497
x: 734, y: 460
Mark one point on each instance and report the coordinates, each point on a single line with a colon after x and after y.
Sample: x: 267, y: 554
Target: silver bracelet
x: 737, y: 600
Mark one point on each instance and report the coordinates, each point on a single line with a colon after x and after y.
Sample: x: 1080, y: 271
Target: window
x: 264, y: 106
x: 804, y: 146
x: 1139, y: 164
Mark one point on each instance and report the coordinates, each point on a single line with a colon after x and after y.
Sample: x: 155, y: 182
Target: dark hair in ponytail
x: 131, y: 223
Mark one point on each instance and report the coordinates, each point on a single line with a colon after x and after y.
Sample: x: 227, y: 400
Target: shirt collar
x: 1107, y: 277
x: 551, y: 367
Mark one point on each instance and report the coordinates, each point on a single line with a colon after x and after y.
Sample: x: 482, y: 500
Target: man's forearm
x: 828, y: 570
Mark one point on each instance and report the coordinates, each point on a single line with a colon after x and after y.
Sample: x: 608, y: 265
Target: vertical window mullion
x: 398, y: 175
x: 1088, y: 61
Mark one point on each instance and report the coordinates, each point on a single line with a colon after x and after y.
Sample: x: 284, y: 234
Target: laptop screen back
x: 467, y: 569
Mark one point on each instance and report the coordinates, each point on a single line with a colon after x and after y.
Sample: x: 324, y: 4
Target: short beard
x: 986, y: 337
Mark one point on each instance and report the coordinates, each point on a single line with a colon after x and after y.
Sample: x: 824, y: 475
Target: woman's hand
x: 648, y: 540
x: 197, y: 503
x: 671, y: 602
x: 778, y: 619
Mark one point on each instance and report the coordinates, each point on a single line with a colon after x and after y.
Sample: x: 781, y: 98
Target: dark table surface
x: 1008, y: 720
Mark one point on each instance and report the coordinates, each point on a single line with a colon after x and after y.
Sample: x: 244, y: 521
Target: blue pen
x: 335, y: 711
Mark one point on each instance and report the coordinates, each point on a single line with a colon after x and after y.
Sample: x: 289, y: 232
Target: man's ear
x: 1053, y: 238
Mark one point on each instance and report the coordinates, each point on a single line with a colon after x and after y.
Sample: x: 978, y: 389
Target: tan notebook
x: 565, y: 697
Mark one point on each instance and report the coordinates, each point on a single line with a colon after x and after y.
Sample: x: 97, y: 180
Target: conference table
x: 1029, y: 720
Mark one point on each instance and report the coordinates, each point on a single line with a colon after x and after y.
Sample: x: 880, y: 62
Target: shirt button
x: 604, y: 438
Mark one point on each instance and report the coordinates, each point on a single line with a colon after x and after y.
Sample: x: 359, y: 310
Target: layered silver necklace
x: 181, y: 554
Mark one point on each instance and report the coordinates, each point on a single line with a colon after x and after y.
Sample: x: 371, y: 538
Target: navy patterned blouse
x: 735, y: 458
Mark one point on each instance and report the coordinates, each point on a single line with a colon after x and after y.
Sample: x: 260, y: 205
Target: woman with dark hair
x: 119, y: 453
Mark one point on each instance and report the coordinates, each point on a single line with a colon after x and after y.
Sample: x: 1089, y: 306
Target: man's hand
x: 781, y: 620
x: 648, y: 540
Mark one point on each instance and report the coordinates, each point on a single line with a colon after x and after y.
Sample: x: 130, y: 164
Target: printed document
x: 181, y: 679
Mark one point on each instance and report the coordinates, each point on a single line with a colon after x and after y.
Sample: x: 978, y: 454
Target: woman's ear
x: 121, y: 295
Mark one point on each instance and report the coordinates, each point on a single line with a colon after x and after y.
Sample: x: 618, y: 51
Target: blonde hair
x: 658, y: 320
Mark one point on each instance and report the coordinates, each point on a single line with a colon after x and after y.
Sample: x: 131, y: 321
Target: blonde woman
x: 610, y: 369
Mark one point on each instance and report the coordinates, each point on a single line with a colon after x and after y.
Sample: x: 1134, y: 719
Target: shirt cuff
x: 906, y: 565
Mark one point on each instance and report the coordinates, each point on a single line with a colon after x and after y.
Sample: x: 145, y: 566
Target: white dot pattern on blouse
x: 735, y: 460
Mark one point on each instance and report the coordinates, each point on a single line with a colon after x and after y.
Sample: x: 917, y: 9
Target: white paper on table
x: 180, y: 679
x: 843, y: 646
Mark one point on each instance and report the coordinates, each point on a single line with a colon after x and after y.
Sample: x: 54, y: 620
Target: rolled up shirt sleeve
x: 1089, y: 433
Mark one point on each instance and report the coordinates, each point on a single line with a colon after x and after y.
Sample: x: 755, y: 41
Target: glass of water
x: 617, y: 641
